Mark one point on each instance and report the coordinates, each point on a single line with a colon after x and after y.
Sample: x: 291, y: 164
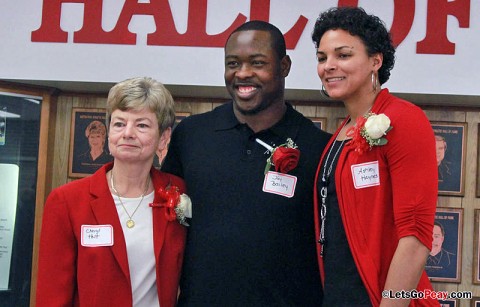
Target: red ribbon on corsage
x: 169, y: 198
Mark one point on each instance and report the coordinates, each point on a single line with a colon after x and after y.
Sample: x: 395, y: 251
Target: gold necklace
x: 130, y: 223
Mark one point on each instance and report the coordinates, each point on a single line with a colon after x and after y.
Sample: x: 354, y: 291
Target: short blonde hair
x: 95, y: 127
x: 138, y: 93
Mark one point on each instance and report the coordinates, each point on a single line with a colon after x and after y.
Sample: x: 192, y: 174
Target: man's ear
x: 285, y: 65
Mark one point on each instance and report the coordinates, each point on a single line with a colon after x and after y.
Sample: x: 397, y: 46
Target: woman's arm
x: 405, y: 269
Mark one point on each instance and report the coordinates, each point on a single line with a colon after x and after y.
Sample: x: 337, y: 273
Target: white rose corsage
x: 369, y: 131
x: 184, y: 209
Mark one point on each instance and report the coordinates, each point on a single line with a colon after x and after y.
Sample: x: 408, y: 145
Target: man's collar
x: 225, y: 119
x: 288, y: 121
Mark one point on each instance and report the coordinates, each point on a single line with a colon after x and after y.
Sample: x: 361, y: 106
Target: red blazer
x: 403, y: 204
x: 70, y: 274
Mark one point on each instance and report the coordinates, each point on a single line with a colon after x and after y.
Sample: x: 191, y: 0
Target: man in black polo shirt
x: 251, y: 240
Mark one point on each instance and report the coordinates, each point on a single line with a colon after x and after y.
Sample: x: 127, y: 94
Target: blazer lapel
x: 105, y: 212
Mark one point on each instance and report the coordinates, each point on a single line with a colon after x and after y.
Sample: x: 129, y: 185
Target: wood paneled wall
x: 469, y: 202
x: 63, y: 129
x: 332, y: 111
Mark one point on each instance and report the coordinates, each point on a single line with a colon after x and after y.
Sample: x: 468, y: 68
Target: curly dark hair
x: 369, y: 28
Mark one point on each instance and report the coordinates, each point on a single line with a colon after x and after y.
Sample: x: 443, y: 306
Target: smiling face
x: 96, y: 140
x: 440, y: 146
x: 254, y: 76
x: 133, y: 135
x: 344, y: 66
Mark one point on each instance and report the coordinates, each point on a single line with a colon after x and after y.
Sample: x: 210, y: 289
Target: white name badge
x: 366, y: 175
x: 97, y: 235
x: 280, y: 184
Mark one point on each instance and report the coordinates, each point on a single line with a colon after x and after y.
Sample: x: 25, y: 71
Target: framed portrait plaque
x: 450, y: 148
x: 88, y: 142
x: 476, y: 248
x: 320, y: 122
x: 160, y: 156
x: 475, y: 302
x: 340, y: 121
x: 179, y: 116
x: 444, y: 263
x: 448, y: 303
x: 478, y: 162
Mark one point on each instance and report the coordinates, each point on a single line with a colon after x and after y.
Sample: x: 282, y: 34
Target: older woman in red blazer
x: 116, y: 238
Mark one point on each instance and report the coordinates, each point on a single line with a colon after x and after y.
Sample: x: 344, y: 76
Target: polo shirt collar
x: 288, y: 125
x: 226, y: 120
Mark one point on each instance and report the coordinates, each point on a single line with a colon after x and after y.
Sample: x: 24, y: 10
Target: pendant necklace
x: 130, y: 223
x: 327, y: 170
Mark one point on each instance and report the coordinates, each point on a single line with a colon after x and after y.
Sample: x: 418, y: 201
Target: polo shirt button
x: 249, y: 152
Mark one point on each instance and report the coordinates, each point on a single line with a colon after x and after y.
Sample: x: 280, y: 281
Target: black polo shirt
x: 246, y: 247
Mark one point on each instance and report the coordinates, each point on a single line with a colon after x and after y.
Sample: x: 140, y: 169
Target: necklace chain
x: 323, y: 191
x: 325, y: 181
x: 326, y: 174
x: 130, y: 222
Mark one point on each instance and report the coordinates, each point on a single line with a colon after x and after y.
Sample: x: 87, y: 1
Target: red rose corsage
x: 177, y: 206
x: 284, y: 157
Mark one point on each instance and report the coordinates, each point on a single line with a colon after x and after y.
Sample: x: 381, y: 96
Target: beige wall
x: 331, y: 111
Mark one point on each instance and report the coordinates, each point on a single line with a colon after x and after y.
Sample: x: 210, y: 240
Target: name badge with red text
x: 365, y: 175
x: 97, y: 235
x: 280, y: 184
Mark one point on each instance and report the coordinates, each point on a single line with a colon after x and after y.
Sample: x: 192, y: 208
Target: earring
x: 324, y: 92
x: 374, y: 82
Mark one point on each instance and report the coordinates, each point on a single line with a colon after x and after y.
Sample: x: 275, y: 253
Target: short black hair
x: 369, y: 28
x: 441, y: 227
x: 278, y: 41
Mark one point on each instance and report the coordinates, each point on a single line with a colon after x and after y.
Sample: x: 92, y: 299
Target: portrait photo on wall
x: 320, y: 122
x: 3, y: 124
x: 161, y: 154
x: 450, y: 148
x: 340, y: 121
x: 179, y: 116
x: 478, y: 162
x: 476, y: 248
x: 444, y: 262
x: 88, y: 142
x: 448, y: 303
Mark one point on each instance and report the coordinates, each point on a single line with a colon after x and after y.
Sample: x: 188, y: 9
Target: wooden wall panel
x: 62, y: 131
x: 469, y: 202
